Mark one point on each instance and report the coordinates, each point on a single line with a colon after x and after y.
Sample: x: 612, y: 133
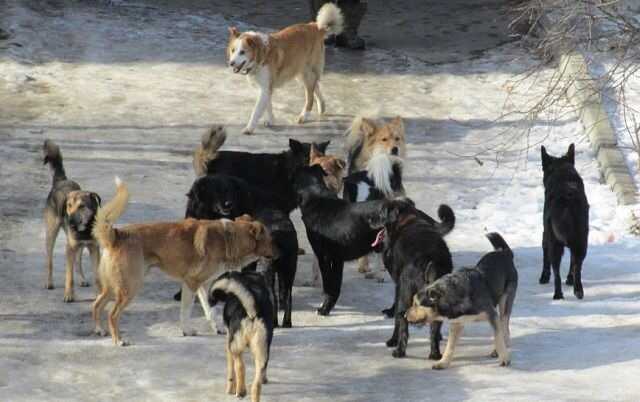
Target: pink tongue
x: 379, y: 238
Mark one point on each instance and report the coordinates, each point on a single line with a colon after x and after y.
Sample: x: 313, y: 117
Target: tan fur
x: 207, y: 151
x: 333, y: 166
x: 372, y: 136
x: 191, y: 251
x: 252, y: 335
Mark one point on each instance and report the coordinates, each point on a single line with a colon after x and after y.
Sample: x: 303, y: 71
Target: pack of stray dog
x: 238, y: 246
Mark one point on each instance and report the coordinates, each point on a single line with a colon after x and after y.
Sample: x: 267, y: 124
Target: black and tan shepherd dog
x: 415, y: 254
x: 566, y: 220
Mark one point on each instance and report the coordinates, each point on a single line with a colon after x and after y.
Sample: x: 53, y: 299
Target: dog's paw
x: 231, y: 387
x: 389, y: 312
x: 440, y: 365
x: 506, y: 361
x: 579, y: 293
x: 558, y: 296
x: 49, y: 286
x: 247, y: 130
x: 303, y: 118
x: 435, y: 355
x: 323, y: 311
x: 221, y: 331
x: 241, y: 393
x: 68, y: 298
x: 100, y: 332
x: 286, y: 324
x: 84, y: 284
x: 569, y: 280
x: 268, y: 123
x: 189, y: 332
x: 265, y: 380
x: 380, y: 279
x: 123, y: 342
x: 398, y: 354
x: 392, y: 342
x: 544, y: 278
x: 493, y: 354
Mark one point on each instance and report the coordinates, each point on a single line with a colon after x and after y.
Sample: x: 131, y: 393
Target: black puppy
x: 249, y: 322
x: 221, y: 196
x: 262, y: 170
x: 566, y: 220
x: 415, y: 254
x: 338, y: 230
x: 472, y: 294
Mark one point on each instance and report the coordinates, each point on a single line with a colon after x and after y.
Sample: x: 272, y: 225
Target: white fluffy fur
x: 330, y: 19
x: 380, y: 169
x: 239, y: 291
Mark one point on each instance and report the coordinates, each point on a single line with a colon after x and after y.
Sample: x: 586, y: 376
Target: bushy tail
x: 227, y: 284
x: 106, y: 216
x: 330, y: 19
x: 53, y: 157
x: 498, y: 243
x: 447, y: 219
x: 207, y: 151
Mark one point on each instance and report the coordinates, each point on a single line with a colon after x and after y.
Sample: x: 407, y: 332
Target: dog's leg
x: 241, y: 387
x: 270, y: 119
x: 259, y: 350
x: 72, y: 256
x: 363, y: 264
x: 556, y: 249
x: 114, y: 319
x: 455, y: 330
x: 231, y: 386
x: 576, y: 267
x: 186, y: 304
x: 402, y: 324
x: 504, y: 356
x: 264, y: 99
x: 331, y: 283
x: 546, y: 262
x: 320, y: 99
x: 53, y: 227
x: 393, y: 341
x: 94, y: 252
x: 309, y: 79
x: 435, y: 337
x: 96, y: 311
x: 315, y: 281
x: 83, y: 280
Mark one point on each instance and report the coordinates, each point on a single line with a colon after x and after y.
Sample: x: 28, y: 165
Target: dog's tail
x: 207, y: 151
x: 447, y: 219
x: 53, y: 157
x: 229, y: 285
x: 499, y: 244
x: 103, y: 230
x: 330, y: 19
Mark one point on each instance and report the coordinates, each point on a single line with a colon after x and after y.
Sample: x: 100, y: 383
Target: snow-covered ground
x: 129, y: 91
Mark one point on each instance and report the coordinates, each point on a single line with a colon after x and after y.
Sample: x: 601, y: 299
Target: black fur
x: 338, y: 230
x: 415, y: 255
x: 263, y: 170
x: 350, y: 192
x: 222, y: 196
x: 566, y: 220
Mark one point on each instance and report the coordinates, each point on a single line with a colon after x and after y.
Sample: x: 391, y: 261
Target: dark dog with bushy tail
x: 566, y: 220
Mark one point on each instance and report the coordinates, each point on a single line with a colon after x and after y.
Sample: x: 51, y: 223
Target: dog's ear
x: 314, y: 153
x: 368, y: 127
x: 397, y: 125
x: 296, y: 146
x: 233, y: 32
x: 322, y: 147
x: 96, y: 198
x: 546, y: 159
x: 571, y: 154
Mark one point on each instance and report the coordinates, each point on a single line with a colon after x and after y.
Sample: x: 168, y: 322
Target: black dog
x: 262, y: 170
x: 472, y: 294
x: 382, y: 179
x: 566, y: 220
x: 248, y: 318
x: 415, y: 254
x: 338, y: 230
x: 221, y: 196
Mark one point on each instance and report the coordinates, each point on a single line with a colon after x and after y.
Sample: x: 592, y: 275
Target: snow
x: 135, y: 105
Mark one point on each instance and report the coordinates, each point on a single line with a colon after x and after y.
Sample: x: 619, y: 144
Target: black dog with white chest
x: 338, y: 230
x: 566, y: 220
x: 472, y: 294
x: 415, y: 254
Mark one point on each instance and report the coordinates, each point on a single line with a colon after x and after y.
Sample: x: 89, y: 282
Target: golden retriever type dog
x: 191, y: 251
x: 368, y: 138
x: 271, y: 60
x: 72, y: 209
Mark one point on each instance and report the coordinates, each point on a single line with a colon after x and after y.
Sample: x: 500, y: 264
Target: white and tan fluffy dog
x: 271, y: 60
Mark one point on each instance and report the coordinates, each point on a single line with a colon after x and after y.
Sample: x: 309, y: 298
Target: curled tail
x: 330, y: 19
x: 207, y: 151
x: 447, y: 219
x: 226, y: 283
x: 53, y: 157
x: 103, y: 230
x: 498, y: 243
